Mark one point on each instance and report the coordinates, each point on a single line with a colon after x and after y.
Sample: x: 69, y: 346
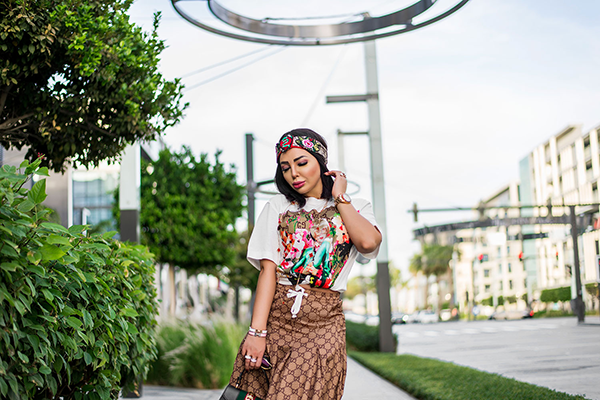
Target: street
x: 553, y: 352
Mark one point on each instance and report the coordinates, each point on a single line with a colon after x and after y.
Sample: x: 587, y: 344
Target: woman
x: 304, y: 244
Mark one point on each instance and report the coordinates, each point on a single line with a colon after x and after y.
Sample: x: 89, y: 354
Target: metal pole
x: 386, y: 341
x: 250, y: 185
x: 251, y: 188
x: 341, y: 159
x: 129, y: 193
x: 129, y: 204
x: 579, y: 305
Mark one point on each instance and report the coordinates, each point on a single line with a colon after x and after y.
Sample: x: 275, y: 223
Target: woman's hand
x: 253, y: 349
x: 340, y: 184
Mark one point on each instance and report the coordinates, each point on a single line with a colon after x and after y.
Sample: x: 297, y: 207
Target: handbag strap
x: 238, y: 381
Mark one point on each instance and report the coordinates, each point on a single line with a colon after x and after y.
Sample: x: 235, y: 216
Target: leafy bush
x: 592, y: 289
x: 192, y: 355
x: 76, y: 311
x: 363, y: 337
x: 430, y: 379
x: 556, y: 295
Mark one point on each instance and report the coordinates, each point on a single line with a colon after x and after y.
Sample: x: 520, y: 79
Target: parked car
x: 412, y: 318
x: 399, y: 318
x: 423, y: 317
x: 512, y: 314
x: 427, y: 317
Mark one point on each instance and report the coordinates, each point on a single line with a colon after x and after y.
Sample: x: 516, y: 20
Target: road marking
x: 470, y: 331
x: 431, y: 333
x: 410, y: 334
x: 510, y: 329
x: 451, y: 332
x: 489, y: 330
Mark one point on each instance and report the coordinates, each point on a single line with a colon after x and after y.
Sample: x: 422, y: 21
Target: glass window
x: 509, y: 268
x: 486, y: 273
x: 487, y: 288
x: 510, y: 284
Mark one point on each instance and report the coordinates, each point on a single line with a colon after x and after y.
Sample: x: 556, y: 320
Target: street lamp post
x: 386, y: 340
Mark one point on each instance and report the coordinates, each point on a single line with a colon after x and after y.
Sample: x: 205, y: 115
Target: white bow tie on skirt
x: 298, y: 294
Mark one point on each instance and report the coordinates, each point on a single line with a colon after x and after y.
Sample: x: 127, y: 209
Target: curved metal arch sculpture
x: 311, y: 35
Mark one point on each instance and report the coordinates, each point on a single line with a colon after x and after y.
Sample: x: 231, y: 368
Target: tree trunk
x: 451, y: 287
x: 172, y: 290
x: 426, y: 291
x: 439, y: 295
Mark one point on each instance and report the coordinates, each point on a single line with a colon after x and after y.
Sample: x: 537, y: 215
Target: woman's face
x: 302, y: 171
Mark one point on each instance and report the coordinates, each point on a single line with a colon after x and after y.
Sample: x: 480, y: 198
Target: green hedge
x: 430, y: 379
x: 192, y: 355
x: 76, y: 311
x: 363, y: 337
x: 556, y: 295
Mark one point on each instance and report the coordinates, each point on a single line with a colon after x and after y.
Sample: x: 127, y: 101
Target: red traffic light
x: 480, y: 257
x: 521, y: 256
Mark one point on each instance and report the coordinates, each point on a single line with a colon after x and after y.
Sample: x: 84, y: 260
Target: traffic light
x: 480, y: 257
x: 557, y: 256
x: 521, y: 256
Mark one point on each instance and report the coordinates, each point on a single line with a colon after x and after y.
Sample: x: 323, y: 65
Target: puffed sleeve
x: 365, y: 209
x: 264, y: 242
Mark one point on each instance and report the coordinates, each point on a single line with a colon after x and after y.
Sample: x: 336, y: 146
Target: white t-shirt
x: 309, y: 245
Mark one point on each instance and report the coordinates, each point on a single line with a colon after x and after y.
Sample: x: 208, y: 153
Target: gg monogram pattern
x: 308, y: 353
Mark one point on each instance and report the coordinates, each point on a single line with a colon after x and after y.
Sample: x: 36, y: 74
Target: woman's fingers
x: 253, y: 350
x: 336, y: 174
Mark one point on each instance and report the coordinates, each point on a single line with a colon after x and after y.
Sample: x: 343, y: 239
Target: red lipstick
x: 298, y: 185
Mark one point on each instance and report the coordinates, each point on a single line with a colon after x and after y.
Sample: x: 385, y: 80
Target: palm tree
x: 433, y: 260
x: 416, y: 268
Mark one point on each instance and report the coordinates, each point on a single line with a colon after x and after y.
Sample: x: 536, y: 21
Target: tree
x: 188, y: 211
x: 78, y: 81
x: 416, y: 268
x: 433, y: 260
x: 241, y: 273
x: 437, y: 263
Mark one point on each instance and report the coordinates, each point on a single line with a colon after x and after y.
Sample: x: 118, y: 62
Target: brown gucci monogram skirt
x: 308, y: 352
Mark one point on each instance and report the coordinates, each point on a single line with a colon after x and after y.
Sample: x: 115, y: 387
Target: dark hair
x: 285, y: 188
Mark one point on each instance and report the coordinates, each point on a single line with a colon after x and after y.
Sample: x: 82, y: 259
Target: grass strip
x: 429, y: 379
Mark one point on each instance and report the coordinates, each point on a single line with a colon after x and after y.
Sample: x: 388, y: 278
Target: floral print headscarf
x: 301, y: 142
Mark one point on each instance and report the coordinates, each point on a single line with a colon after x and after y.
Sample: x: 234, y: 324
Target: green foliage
x: 76, y: 311
x: 188, y: 210
x: 354, y: 287
x: 363, y: 337
x: 241, y: 272
x: 430, y: 379
x: 511, y: 299
x: 556, y: 295
x: 436, y: 259
x: 79, y: 81
x: 197, y: 356
x: 592, y: 289
x: 488, y: 302
x: 416, y: 264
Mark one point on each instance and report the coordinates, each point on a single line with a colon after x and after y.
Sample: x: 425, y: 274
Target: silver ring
x: 253, y: 360
x: 247, y: 357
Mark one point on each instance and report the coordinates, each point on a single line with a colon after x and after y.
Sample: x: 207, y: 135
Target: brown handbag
x: 232, y: 392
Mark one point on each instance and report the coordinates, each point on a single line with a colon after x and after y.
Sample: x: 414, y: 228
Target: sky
x: 462, y: 101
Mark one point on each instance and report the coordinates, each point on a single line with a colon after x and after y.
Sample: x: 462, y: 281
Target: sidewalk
x: 360, y: 384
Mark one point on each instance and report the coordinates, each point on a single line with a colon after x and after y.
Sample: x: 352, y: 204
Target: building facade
x: 509, y: 266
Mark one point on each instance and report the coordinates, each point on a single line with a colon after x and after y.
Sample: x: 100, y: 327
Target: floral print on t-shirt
x: 315, y: 246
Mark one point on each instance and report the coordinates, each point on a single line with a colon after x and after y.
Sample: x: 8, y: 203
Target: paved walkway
x: 360, y: 384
